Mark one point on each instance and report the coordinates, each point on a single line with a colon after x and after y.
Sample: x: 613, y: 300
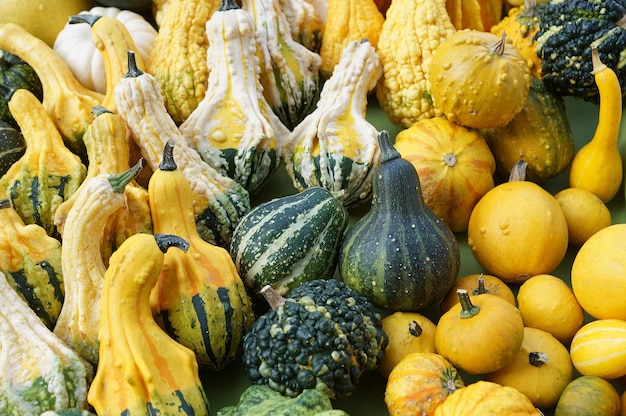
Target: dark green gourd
x: 399, y: 255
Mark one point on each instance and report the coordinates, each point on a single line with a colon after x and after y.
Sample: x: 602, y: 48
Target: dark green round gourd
x: 15, y: 74
x: 400, y: 255
x: 12, y: 146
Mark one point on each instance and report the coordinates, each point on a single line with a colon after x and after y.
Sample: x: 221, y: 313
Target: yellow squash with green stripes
x: 335, y: 147
x: 142, y: 370
x: 199, y: 299
x: 234, y: 128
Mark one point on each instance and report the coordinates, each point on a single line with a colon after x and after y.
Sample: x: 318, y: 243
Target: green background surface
x: 223, y: 388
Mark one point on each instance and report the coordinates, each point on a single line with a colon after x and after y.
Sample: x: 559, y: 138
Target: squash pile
x: 194, y: 201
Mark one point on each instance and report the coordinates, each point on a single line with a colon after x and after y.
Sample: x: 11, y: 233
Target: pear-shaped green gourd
x: 400, y: 255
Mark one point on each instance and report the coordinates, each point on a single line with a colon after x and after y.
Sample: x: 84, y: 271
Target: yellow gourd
x: 475, y: 14
x: 597, y: 166
x: 347, y: 21
x: 412, y: 30
x: 477, y: 284
x: 588, y: 395
x: 142, y: 369
x: 599, y: 349
x: 584, y: 212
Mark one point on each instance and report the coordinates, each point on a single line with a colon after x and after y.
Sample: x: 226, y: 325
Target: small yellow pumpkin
x: 546, y: 302
x: 486, y: 398
x: 518, y: 230
x: 476, y: 284
x: 478, y: 79
x: 408, y: 332
x: 585, y: 214
x: 540, y: 370
x: 599, y: 274
x: 420, y: 383
x: 481, y: 334
x: 454, y: 164
x: 599, y: 349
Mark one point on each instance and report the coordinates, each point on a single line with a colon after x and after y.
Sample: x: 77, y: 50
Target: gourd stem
x: 228, y: 5
x: 168, y: 163
x: 415, y: 329
x: 119, y: 181
x: 133, y: 70
x: 387, y: 151
x: 99, y: 109
x: 481, y: 289
x: 273, y: 298
x: 5, y: 203
x: 530, y: 8
x: 89, y: 18
x: 468, y: 309
x: 165, y: 241
x: 621, y: 22
x: 518, y: 171
x: 498, y: 47
x: 537, y: 359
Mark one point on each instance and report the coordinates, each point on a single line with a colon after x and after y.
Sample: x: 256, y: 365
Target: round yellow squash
x: 585, y: 214
x: 546, y: 302
x: 599, y: 274
x: 518, y: 230
x: 486, y: 398
x: 419, y: 383
x: 408, y: 332
x: 454, y: 164
x: 476, y: 284
x: 478, y: 79
x: 599, y: 349
x: 540, y: 370
x: 588, y: 395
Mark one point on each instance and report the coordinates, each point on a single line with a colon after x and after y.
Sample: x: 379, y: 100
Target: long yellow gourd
x: 597, y: 166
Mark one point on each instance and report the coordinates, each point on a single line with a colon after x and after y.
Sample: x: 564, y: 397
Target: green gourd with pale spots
x: 399, y: 255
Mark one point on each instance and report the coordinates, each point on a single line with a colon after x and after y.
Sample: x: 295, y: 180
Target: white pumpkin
x: 75, y: 47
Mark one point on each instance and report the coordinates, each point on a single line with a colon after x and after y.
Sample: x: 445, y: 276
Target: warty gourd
x: 335, y: 147
x: 219, y: 201
x: 234, y: 128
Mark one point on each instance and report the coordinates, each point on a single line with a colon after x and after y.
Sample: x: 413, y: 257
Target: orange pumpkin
x: 481, y: 334
x: 419, y: 383
x: 486, y: 398
x: 454, y: 164
x: 476, y: 284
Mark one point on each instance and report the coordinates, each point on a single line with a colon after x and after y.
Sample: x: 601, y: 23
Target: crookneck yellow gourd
x: 142, y: 370
x: 48, y: 173
x: 234, y: 128
x: 289, y: 73
x: 199, y: 299
x: 107, y: 148
x: 81, y: 260
x: 67, y: 101
x: 597, y: 166
x: 178, y: 56
x: 412, y: 31
x: 219, y: 201
x: 335, y: 147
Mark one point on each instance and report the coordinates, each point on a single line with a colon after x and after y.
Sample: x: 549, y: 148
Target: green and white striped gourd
x: 290, y: 239
x: 38, y: 372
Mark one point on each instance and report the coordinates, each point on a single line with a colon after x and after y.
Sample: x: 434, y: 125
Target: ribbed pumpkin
x: 399, y: 255
x: 454, y: 164
x: 199, y: 298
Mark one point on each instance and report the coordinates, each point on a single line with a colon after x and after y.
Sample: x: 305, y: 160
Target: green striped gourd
x: 335, y: 147
x: 48, y: 173
x: 199, y: 298
x: 142, y: 370
x: 12, y: 145
x: 290, y: 239
x: 38, y: 372
x: 234, y: 128
x: 31, y: 262
x: 399, y: 255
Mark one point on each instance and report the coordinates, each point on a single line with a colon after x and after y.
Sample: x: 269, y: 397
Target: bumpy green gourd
x: 399, y: 255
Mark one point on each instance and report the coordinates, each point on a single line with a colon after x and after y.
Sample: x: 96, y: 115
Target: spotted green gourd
x: 15, y: 74
x: 38, y: 372
x: 290, y: 239
x: 399, y: 255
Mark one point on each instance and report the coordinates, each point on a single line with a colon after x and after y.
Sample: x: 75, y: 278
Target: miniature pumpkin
x: 518, y: 230
x: 599, y: 274
x: 476, y: 284
x: 408, y: 332
x: 454, y: 164
x: 540, y: 370
x: 419, y: 383
x: 487, y: 398
x: 481, y: 334
x: 478, y: 79
x: 546, y: 302
x: 599, y: 349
